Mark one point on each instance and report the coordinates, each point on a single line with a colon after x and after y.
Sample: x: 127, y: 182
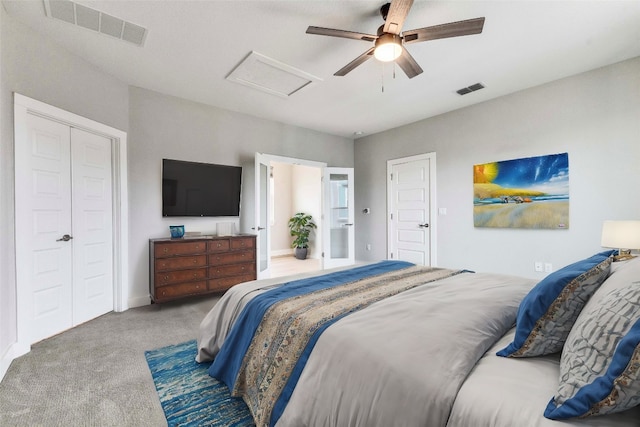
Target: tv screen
x: 200, y: 189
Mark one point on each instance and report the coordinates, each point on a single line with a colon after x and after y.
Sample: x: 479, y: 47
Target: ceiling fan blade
x: 408, y: 64
x: 353, y: 64
x: 398, y: 11
x: 341, y: 33
x: 452, y: 29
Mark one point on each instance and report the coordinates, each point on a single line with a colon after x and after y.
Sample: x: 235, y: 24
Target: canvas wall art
x: 522, y: 193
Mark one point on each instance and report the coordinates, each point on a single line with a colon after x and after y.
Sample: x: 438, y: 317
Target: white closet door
x: 92, y: 225
x: 43, y: 188
x: 64, y: 226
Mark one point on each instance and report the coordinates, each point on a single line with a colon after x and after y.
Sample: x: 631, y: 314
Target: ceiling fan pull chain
x: 382, y: 77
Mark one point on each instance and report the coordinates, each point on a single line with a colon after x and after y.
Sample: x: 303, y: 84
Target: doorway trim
x: 433, y: 224
x: 22, y: 107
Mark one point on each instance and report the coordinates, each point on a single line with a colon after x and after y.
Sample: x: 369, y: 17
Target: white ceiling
x: 192, y: 46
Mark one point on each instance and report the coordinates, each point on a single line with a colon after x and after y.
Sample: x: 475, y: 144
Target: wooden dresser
x: 194, y: 266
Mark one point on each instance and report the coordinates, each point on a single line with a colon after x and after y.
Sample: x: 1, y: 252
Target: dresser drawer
x: 178, y: 276
x: 224, y: 283
x: 181, y: 248
x: 176, y: 263
x: 243, y: 243
x: 232, y: 257
x: 180, y: 290
x: 232, y: 270
x: 218, y: 245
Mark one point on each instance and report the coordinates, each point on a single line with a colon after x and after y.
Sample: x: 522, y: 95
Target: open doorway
x: 294, y: 188
x: 304, y: 187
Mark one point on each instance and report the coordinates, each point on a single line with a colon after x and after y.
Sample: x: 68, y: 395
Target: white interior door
x: 64, y: 226
x: 262, y: 212
x: 44, y: 193
x: 44, y: 298
x: 410, y: 217
x: 92, y: 225
x: 338, y: 217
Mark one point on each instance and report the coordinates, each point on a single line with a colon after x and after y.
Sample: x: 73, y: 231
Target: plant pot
x: 301, y: 253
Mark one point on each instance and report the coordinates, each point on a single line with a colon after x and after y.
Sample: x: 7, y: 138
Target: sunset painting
x: 522, y: 193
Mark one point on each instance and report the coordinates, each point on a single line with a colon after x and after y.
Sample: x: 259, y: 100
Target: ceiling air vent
x: 469, y: 89
x: 94, y: 20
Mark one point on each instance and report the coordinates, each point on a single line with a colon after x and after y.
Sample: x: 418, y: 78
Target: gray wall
x: 166, y: 127
x: 594, y: 116
x: 36, y: 67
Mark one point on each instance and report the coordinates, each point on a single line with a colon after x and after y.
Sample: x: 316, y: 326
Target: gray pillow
x: 600, y: 363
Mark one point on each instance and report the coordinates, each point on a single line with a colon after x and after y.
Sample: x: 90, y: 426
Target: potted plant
x: 300, y: 227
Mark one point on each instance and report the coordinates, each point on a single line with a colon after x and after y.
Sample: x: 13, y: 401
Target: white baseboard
x: 14, y: 351
x: 282, y: 252
x: 139, y: 301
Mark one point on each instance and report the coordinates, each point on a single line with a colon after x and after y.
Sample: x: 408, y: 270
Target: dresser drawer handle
x: 242, y: 268
x: 197, y: 286
x: 165, y: 250
x: 163, y: 265
x: 197, y: 246
x: 164, y: 293
x: 195, y: 275
x: 166, y: 277
x: 219, y: 244
x: 195, y: 261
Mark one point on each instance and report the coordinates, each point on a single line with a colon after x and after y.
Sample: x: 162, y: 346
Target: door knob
x: 425, y: 225
x: 64, y: 238
x: 258, y: 228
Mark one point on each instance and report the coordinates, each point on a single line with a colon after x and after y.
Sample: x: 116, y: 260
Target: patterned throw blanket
x: 282, y: 341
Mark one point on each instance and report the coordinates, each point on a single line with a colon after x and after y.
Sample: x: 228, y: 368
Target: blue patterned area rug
x: 189, y: 396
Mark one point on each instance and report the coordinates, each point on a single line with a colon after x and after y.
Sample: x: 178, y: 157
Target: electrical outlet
x: 548, y: 268
x: 537, y: 266
x: 368, y: 246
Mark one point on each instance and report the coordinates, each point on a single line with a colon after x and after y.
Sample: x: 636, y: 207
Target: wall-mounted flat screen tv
x: 200, y: 189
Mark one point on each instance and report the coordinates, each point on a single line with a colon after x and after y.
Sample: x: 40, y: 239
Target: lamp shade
x: 621, y: 234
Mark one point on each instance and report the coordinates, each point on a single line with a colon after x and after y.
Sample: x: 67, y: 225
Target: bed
x: 393, y: 344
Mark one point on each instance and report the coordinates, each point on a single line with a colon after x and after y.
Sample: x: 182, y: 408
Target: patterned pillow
x: 600, y: 364
x: 547, y: 313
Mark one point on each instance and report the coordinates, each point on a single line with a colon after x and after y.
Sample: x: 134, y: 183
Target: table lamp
x: 621, y: 235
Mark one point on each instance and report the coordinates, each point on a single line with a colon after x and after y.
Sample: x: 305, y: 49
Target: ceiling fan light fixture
x: 388, y: 47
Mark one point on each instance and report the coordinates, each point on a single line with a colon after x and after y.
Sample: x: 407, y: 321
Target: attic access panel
x: 268, y: 75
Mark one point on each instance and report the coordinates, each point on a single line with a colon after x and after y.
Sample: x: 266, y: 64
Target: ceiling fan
x: 389, y: 41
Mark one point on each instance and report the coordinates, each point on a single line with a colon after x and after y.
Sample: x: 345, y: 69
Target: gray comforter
x: 399, y: 362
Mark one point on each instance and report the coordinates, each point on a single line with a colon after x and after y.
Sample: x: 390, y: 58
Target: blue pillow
x: 600, y: 364
x: 549, y: 310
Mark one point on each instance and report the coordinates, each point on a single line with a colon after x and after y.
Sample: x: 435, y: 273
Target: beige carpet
x: 96, y: 374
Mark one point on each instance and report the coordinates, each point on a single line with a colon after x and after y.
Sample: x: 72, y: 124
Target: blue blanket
x: 228, y: 362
